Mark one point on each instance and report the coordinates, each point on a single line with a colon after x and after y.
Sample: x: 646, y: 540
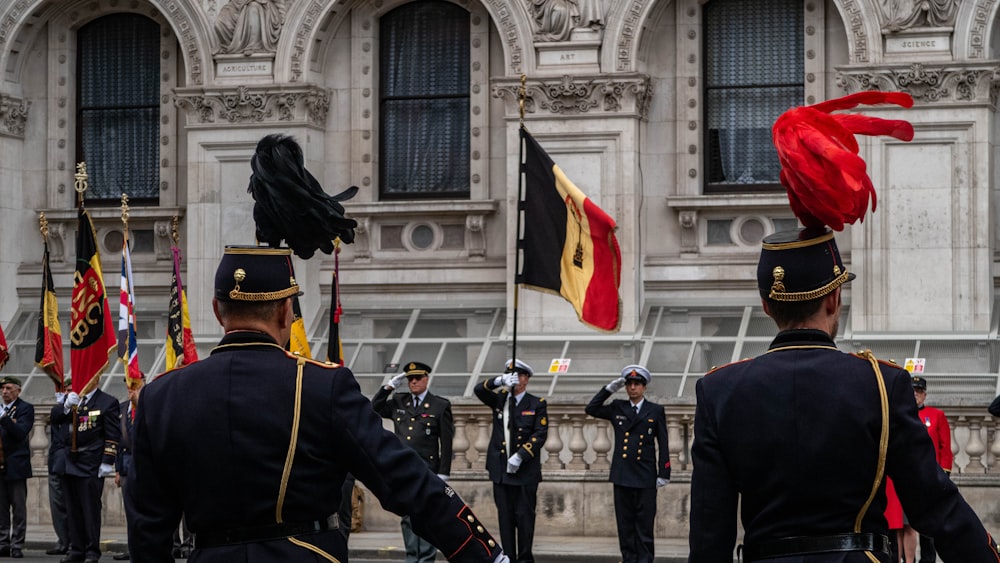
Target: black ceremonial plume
x: 290, y: 203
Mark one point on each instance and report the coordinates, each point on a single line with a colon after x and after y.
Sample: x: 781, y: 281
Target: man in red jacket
x: 937, y: 426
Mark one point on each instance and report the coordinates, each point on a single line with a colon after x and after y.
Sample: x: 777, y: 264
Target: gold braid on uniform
x: 883, y: 445
x: 292, y: 442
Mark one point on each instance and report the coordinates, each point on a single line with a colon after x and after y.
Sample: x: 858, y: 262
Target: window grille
x: 753, y: 72
x: 118, y: 107
x: 424, y: 101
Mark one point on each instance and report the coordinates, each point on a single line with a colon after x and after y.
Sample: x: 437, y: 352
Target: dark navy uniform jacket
x: 211, y: 440
x: 14, y: 430
x: 123, y: 464
x: 634, y: 463
x: 97, y: 434
x: 795, y: 433
x: 529, y: 431
x: 429, y: 429
x: 58, y: 442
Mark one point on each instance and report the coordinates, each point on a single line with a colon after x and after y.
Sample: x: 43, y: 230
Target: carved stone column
x: 553, y: 445
x: 674, y: 438
x: 482, y: 440
x: 577, y: 444
x: 460, y: 444
x: 602, y: 446
x: 994, y: 459
x: 975, y: 447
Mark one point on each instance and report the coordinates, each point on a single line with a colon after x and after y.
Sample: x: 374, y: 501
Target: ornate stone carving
x: 580, y: 94
x: 474, y: 225
x: 856, y: 23
x: 189, y: 42
x: 504, y: 20
x: 630, y: 25
x: 927, y: 83
x: 906, y: 14
x: 302, y: 104
x: 13, y: 115
x: 980, y: 23
x: 250, y: 26
x: 11, y: 18
x: 302, y: 35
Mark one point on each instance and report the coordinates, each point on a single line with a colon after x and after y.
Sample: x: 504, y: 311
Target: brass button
x: 626, y: 440
x: 409, y: 438
x: 624, y: 456
x: 492, y: 543
x: 480, y: 529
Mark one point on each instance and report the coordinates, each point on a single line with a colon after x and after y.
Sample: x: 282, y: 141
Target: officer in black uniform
x: 521, y: 420
x: 640, y: 428
x: 252, y: 443
x: 96, y: 437
x: 802, y: 437
x: 424, y: 422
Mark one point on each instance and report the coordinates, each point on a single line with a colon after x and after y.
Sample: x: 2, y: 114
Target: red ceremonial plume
x: 826, y: 180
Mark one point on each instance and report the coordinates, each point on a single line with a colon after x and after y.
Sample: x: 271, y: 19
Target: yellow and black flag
x: 48, y: 342
x: 298, y: 342
x: 92, y: 331
x: 568, y: 246
x: 181, y: 349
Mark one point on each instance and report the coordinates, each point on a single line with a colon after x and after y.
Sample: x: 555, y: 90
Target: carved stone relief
x: 556, y: 19
x: 980, y: 24
x: 926, y: 83
x: 308, y: 105
x: 629, y: 94
x: 13, y: 115
x: 906, y: 14
x: 250, y: 26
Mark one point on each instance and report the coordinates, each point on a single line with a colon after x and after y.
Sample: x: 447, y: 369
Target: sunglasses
x: 415, y: 376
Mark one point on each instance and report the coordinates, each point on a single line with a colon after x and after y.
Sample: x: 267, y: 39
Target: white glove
x: 60, y: 397
x: 443, y: 477
x: 661, y: 482
x: 502, y: 558
x: 615, y: 385
x: 514, y: 463
x: 72, y: 400
x: 104, y: 470
x: 397, y: 380
x: 510, y: 379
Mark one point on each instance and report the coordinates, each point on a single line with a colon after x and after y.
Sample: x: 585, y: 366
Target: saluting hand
x: 615, y: 384
x: 397, y: 380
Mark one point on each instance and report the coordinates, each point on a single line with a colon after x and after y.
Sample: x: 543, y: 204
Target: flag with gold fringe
x: 298, y: 342
x: 48, y: 341
x: 92, y: 332
x: 181, y: 349
x: 568, y: 246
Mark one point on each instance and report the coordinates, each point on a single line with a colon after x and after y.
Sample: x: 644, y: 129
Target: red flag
x: 48, y: 342
x: 4, y: 354
x: 569, y: 246
x: 92, y: 332
x: 180, y: 340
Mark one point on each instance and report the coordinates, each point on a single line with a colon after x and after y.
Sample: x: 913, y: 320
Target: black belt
x: 807, y: 545
x: 254, y: 534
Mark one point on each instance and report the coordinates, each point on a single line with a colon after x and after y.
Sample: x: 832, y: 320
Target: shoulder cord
x: 882, y: 446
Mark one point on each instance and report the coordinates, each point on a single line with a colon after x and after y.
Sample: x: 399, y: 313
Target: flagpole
x: 521, y: 95
x: 80, y: 185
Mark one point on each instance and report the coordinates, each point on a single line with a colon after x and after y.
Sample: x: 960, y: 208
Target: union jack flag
x: 128, y: 348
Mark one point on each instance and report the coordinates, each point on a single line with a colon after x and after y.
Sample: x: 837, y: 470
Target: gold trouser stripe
x: 292, y: 442
x: 883, y: 445
x: 314, y: 549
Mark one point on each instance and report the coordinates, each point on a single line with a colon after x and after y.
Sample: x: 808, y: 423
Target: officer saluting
x: 520, y: 427
x: 803, y: 436
x: 252, y: 444
x: 423, y: 421
x: 640, y: 426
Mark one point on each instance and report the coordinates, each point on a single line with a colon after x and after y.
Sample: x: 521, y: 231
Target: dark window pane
x: 753, y: 73
x: 118, y: 108
x: 424, y: 80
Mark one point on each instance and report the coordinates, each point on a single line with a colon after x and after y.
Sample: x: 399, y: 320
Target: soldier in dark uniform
x: 424, y: 422
x: 17, y: 417
x: 771, y: 433
x: 520, y: 427
x: 97, y: 434
x: 123, y: 464
x: 252, y: 443
x: 58, y: 448
x: 640, y: 428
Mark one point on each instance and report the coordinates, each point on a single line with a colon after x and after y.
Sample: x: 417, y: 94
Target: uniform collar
x: 800, y: 337
x: 246, y: 337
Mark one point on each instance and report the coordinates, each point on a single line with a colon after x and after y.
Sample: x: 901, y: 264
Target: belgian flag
x: 48, y: 341
x: 92, y: 331
x: 181, y: 349
x: 568, y: 246
x: 298, y: 342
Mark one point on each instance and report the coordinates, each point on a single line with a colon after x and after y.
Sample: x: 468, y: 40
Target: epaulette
x: 717, y: 368
x: 541, y: 399
x: 323, y: 364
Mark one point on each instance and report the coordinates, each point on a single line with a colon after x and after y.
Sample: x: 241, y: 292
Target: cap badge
x: 779, y: 275
x: 836, y: 270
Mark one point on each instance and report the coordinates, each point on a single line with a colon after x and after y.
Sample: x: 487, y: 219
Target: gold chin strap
x: 883, y: 445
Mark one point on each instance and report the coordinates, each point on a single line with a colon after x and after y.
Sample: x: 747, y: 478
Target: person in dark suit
x: 520, y: 427
x: 123, y: 463
x: 58, y: 447
x: 277, y: 433
x: 640, y: 428
x: 772, y: 434
x: 424, y: 422
x: 16, y: 419
x: 97, y: 433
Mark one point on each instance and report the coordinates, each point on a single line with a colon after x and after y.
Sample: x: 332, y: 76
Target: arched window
x: 754, y: 71
x: 424, y: 101
x: 118, y: 101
